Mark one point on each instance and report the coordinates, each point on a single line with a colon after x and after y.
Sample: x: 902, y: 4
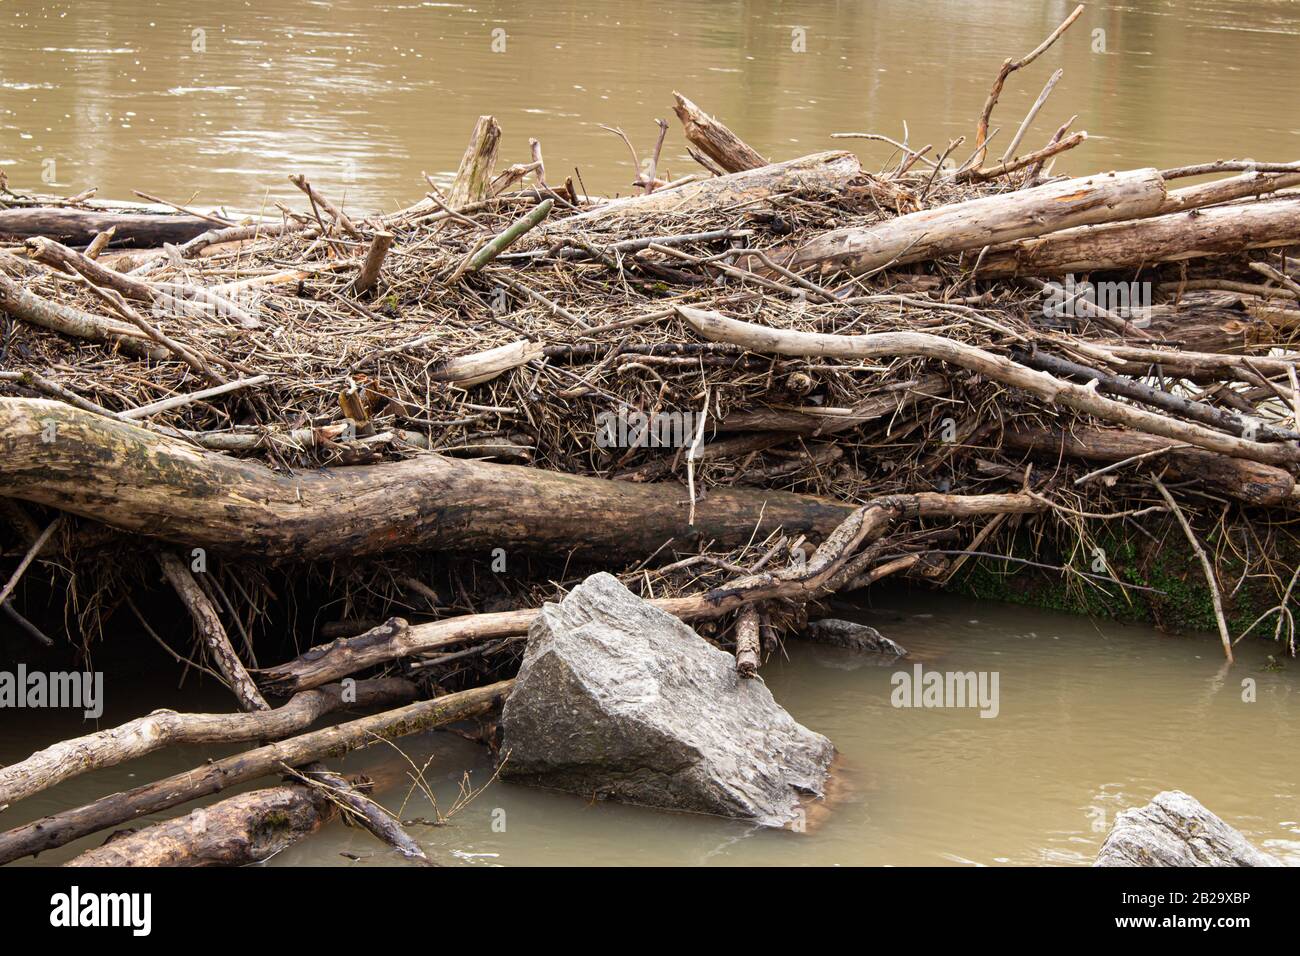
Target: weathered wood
x: 1247, y: 481
x: 78, y: 227
x: 27, y: 306
x: 473, y: 181
x: 829, y: 172
x: 167, y: 728
x: 141, y: 481
x: 216, y: 775
x: 1199, y: 233
x: 747, y: 641
x: 714, y: 140
x: 988, y: 220
x: 238, y: 831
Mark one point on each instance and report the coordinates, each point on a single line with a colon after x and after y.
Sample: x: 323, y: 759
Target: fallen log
x: 988, y: 220
x: 395, y: 639
x: 1247, y: 481
x: 216, y: 775
x: 25, y: 305
x: 141, y: 481
x: 1198, y: 233
x: 238, y: 831
x: 830, y: 172
x: 78, y: 227
x: 167, y: 728
x: 718, y: 328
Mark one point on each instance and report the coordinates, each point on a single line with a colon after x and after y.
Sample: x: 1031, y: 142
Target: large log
x: 829, y: 172
x: 989, y: 220
x: 144, y: 482
x: 217, y: 775
x: 77, y: 227
x: 1216, y: 231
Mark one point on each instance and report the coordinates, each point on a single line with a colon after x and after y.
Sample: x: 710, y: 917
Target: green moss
x: 1180, y: 600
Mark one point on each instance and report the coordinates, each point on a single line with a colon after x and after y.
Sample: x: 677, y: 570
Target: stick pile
x: 744, y: 389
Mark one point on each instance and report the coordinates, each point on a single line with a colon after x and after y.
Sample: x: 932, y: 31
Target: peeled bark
x: 140, y: 481
x: 1217, y: 231
x: 829, y: 172
x: 714, y: 140
x: 977, y: 223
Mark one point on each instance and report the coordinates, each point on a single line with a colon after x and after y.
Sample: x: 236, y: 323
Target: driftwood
x: 830, y: 172
x: 1216, y: 231
x: 237, y: 831
x: 714, y: 140
x: 474, y: 177
x: 985, y: 221
x: 214, y: 776
x: 166, y: 728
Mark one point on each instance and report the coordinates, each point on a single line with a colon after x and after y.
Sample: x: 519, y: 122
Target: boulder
x: 618, y: 699
x: 1175, y: 830
x: 856, y: 637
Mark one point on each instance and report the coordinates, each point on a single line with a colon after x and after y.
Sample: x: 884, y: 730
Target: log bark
x: 718, y: 328
x: 166, y: 728
x: 1199, y: 233
x: 989, y: 220
x: 78, y: 227
x: 216, y: 775
x: 714, y: 140
x: 829, y: 172
x: 238, y: 831
x: 140, y: 481
x: 1246, y: 481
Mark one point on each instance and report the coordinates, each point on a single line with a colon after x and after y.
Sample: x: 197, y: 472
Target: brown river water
x: 364, y: 97
x: 1092, y: 718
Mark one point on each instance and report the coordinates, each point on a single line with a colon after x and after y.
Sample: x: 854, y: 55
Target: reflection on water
x: 1093, y: 718
x: 221, y: 100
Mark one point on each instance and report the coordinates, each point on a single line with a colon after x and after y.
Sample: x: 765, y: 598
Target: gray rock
x: 856, y: 637
x: 619, y: 699
x: 1175, y: 830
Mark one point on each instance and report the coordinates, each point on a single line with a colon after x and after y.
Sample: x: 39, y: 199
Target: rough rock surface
x: 857, y: 637
x: 621, y: 700
x: 1175, y: 830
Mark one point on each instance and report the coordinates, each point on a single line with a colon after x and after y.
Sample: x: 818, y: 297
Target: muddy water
x: 219, y: 101
x: 1092, y: 718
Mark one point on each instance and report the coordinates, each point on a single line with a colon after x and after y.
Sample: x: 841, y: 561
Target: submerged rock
x: 856, y: 637
x: 619, y: 699
x: 1175, y: 830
